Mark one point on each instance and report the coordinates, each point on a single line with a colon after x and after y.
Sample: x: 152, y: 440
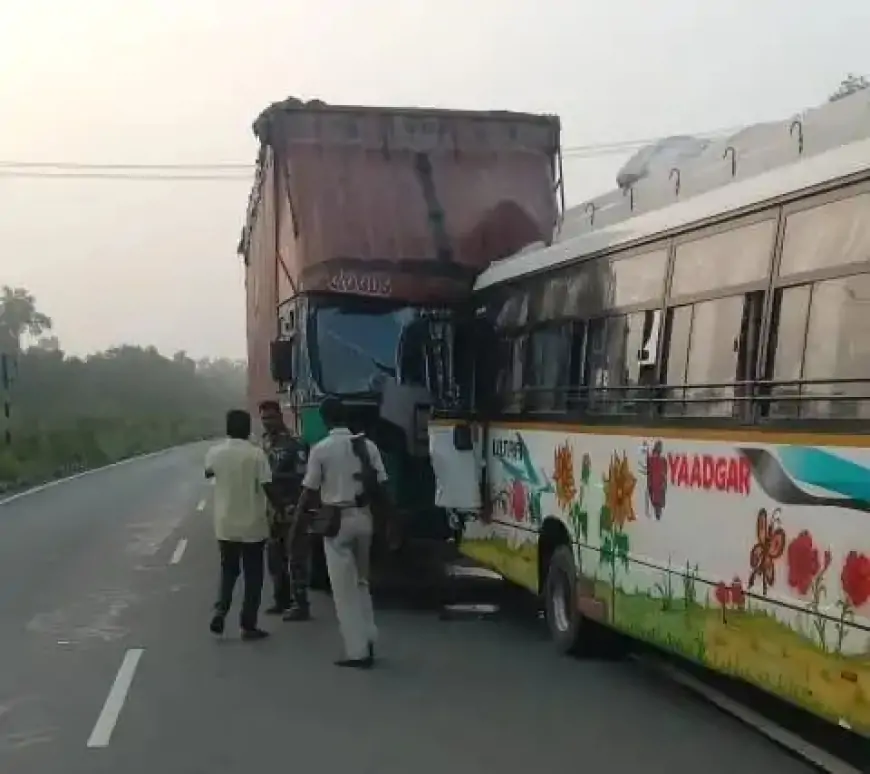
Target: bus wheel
x: 560, y: 600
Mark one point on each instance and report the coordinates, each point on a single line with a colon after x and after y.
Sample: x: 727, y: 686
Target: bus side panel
x: 749, y: 554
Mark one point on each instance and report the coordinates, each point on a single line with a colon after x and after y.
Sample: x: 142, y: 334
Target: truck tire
x: 564, y: 620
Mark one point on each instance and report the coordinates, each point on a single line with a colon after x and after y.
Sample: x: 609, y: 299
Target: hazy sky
x: 160, y: 81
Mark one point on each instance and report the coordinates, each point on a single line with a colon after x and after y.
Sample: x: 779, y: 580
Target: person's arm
x: 377, y: 462
x: 264, y: 477
x: 311, y: 484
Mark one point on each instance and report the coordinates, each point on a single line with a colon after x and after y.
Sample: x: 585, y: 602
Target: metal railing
x: 744, y: 402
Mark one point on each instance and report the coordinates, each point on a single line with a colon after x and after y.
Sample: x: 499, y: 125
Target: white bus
x: 662, y: 426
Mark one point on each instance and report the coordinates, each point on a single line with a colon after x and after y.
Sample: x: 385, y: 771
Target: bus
x: 661, y: 426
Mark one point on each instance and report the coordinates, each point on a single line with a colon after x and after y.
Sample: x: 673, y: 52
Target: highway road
x: 106, y: 583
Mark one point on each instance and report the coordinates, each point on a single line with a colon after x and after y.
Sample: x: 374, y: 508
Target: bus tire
x: 564, y: 620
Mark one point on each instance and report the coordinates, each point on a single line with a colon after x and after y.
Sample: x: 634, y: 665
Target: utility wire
x: 14, y: 174
x: 234, y: 172
x: 151, y: 167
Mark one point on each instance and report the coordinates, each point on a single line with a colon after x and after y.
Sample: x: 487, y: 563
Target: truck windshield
x: 355, y: 348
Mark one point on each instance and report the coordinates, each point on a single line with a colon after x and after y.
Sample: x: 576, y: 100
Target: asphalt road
x: 98, y: 588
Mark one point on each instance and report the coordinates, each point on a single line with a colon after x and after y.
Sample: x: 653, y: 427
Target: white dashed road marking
x: 105, y: 725
x: 179, y: 551
x: 200, y: 506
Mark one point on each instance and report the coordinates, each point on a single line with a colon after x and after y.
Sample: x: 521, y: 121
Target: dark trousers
x: 288, y: 567
x: 247, y: 559
x: 277, y: 556
x: 300, y: 562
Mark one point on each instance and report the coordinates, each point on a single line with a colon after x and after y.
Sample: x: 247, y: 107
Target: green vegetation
x: 754, y: 646
x: 517, y: 563
x: 68, y: 414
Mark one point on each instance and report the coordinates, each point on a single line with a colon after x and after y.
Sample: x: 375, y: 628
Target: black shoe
x: 297, y: 613
x: 217, y: 624
x: 274, y: 610
x: 250, y: 635
x: 356, y: 663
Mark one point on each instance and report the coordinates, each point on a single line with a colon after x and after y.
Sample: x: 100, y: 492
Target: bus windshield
x: 355, y: 348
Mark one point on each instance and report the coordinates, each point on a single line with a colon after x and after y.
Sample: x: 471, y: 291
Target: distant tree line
x: 65, y: 414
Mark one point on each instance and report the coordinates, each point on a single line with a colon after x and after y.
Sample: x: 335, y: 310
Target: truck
x: 365, y: 227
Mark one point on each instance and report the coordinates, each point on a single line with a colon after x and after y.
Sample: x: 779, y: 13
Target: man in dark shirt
x: 287, y: 562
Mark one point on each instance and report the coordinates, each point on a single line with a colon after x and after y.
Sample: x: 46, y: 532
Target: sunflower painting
x: 619, y: 484
x: 617, y: 511
x: 563, y: 475
x: 570, y: 493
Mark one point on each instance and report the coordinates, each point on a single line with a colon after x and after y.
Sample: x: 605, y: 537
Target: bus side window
x: 509, y: 383
x: 622, y: 361
x: 711, y: 345
x: 577, y: 368
x: 820, y: 358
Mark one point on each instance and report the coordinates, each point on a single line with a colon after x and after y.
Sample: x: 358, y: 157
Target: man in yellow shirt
x: 242, y: 478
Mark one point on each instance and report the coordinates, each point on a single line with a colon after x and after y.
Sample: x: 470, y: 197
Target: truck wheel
x: 560, y: 599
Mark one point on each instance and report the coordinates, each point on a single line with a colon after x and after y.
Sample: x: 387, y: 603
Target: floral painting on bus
x: 516, y: 499
x: 751, y: 558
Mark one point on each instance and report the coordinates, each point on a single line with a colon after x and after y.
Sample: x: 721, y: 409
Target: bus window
x: 739, y: 256
x: 838, y: 348
x: 678, y: 331
x: 512, y: 358
x: 834, y: 234
x: 621, y: 355
x: 791, y: 307
x: 546, y: 372
x: 599, y: 364
x: 577, y: 369
x: 638, y: 279
x: 711, y: 358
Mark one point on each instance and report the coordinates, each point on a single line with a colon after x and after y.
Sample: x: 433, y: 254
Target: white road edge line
x: 105, y: 725
x: 179, y: 551
x: 49, y: 484
x: 200, y: 506
x: 776, y: 733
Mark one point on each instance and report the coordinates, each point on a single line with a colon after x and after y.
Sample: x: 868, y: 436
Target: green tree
x: 19, y: 317
x: 70, y: 413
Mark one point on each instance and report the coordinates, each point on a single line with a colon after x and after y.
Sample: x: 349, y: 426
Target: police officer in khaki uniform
x: 287, y: 559
x: 335, y: 471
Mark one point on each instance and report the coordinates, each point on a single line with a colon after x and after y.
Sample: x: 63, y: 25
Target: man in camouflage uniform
x: 287, y: 561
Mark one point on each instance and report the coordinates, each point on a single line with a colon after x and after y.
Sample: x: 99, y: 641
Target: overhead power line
x: 120, y: 176
x: 236, y: 172
x: 151, y: 167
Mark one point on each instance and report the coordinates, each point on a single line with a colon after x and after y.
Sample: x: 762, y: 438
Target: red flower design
x: 738, y: 595
x: 803, y: 562
x: 855, y: 578
x: 519, y: 500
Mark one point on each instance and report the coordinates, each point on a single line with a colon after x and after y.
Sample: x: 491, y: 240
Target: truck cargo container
x: 364, y: 227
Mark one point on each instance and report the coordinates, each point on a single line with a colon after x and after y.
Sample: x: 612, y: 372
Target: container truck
x: 365, y: 227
